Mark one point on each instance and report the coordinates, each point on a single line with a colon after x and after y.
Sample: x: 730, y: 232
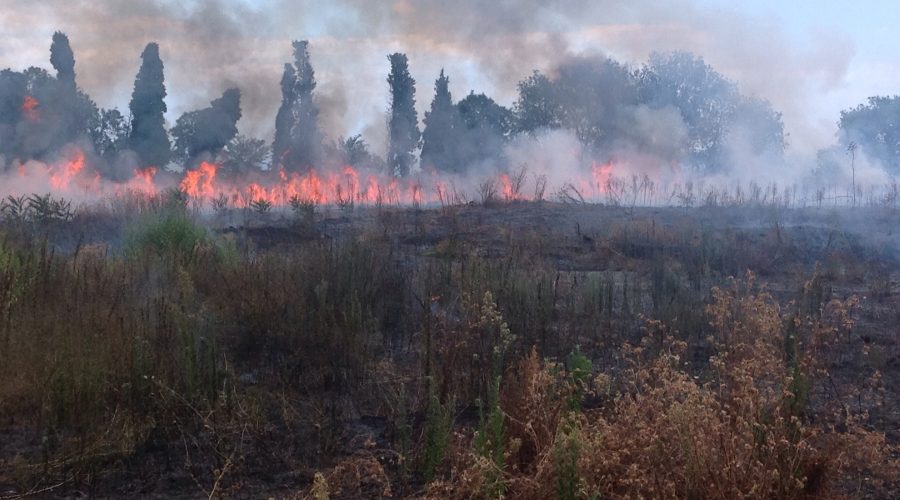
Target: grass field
x: 515, y: 350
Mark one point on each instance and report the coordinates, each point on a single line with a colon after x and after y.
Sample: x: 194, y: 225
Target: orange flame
x: 349, y: 185
x: 602, y: 175
x: 30, y: 109
x: 62, y: 176
x: 199, y: 183
x: 143, y: 180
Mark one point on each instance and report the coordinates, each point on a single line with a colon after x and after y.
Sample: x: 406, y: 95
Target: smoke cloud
x: 486, y: 46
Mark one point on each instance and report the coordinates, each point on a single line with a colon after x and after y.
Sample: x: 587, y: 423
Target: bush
x: 171, y: 234
x: 667, y: 433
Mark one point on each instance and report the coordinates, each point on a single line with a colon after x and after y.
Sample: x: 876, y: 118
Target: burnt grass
x: 241, y: 360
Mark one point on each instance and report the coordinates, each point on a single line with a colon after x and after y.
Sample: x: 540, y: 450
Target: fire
x: 509, y: 190
x: 62, y: 175
x: 199, y: 183
x: 143, y: 180
x: 30, y: 109
x: 343, y: 186
x: 145, y: 174
x: 602, y: 175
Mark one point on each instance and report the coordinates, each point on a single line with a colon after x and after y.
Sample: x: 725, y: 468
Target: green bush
x: 171, y: 234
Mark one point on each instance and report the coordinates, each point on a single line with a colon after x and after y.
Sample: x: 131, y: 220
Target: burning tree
x: 39, y: 114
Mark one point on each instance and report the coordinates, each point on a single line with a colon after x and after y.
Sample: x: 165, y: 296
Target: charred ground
x: 149, y: 349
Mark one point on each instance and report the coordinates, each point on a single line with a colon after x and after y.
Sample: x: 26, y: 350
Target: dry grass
x: 353, y: 367
x: 745, y: 429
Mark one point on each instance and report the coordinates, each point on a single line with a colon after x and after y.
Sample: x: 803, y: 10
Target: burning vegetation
x: 503, y: 305
x: 672, y: 124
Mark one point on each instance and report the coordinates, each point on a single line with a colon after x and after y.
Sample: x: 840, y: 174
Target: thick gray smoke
x: 485, y: 46
x: 488, y: 46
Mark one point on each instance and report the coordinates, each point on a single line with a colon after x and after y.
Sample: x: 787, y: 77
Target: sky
x: 809, y: 59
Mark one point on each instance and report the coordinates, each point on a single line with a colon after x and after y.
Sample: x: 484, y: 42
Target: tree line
x: 604, y: 103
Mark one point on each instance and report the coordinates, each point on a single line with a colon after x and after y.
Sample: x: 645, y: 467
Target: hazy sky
x: 809, y: 58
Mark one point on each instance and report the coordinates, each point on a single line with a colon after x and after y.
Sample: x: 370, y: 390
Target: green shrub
x: 438, y: 430
x: 170, y: 235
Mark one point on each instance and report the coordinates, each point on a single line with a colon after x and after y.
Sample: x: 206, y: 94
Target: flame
x: 345, y: 186
x: 143, y: 180
x: 30, y: 109
x: 602, y: 175
x: 510, y: 193
x: 62, y: 175
x: 340, y: 186
x: 199, y: 183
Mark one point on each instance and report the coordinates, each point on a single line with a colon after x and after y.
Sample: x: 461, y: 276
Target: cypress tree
x: 307, y: 140
x: 148, y: 136
x: 403, y: 126
x: 442, y: 128
x: 63, y: 59
x: 284, y: 120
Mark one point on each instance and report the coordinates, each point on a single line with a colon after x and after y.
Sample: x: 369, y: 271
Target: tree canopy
x: 207, y: 130
x: 148, y: 137
x: 442, y: 131
x: 875, y: 127
x: 403, y: 127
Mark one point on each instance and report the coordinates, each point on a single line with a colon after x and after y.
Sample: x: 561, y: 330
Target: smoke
x: 486, y: 46
x: 333, y: 109
x: 659, y: 132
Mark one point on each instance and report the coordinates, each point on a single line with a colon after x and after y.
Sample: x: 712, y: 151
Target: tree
x: 63, y: 59
x: 442, y: 130
x: 760, y: 127
x: 41, y: 113
x: 12, y: 96
x: 307, y: 139
x: 486, y: 127
x: 109, y: 132
x: 536, y: 107
x: 719, y: 120
x: 403, y: 126
x: 148, y: 136
x: 298, y: 140
x: 245, y: 154
x: 354, y: 151
x: 207, y: 130
x: 68, y: 111
x: 284, y: 120
x: 595, y: 98
x: 875, y: 128
x: 706, y: 100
